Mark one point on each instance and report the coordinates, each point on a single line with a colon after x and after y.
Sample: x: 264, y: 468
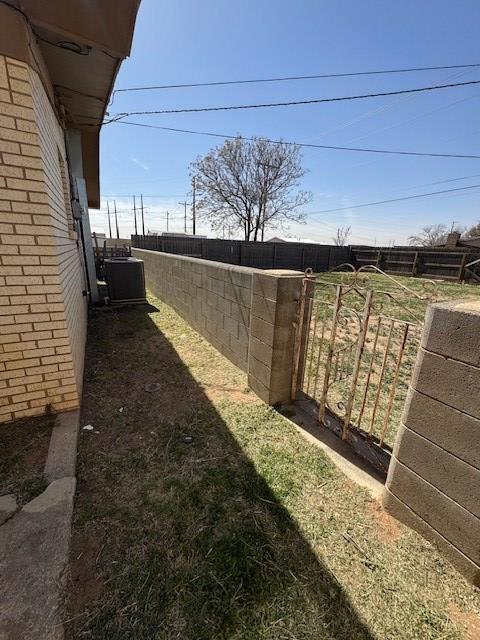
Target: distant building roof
x: 470, y: 242
x: 455, y: 240
x: 286, y: 239
x: 180, y: 234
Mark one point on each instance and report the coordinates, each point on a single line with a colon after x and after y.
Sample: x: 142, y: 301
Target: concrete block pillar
x: 275, y: 295
x: 433, y: 483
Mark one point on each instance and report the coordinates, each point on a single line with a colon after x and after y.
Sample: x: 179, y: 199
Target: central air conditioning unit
x: 125, y: 279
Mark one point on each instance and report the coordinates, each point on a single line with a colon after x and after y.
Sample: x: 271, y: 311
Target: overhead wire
x: 298, y: 77
x: 371, y: 204
x: 303, y: 144
x: 291, y: 103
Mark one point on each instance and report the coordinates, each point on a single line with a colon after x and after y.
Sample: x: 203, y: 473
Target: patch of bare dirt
x: 85, y: 553
x: 238, y: 394
x: 388, y: 529
x: 469, y: 623
x: 23, y: 453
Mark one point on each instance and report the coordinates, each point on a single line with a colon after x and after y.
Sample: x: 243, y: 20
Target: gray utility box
x: 125, y: 279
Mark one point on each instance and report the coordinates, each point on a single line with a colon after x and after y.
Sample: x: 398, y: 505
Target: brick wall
x: 213, y: 297
x: 42, y: 310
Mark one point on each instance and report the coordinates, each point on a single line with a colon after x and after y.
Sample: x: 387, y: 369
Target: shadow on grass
x: 176, y: 535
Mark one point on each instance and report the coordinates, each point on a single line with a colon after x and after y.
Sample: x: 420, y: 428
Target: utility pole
x: 452, y: 228
x: 143, y: 219
x: 185, y: 215
x: 167, y: 221
x: 116, y: 218
x: 135, y: 215
x: 194, y: 225
x: 109, y: 221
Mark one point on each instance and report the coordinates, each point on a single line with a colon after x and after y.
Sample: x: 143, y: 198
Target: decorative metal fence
x: 356, y: 356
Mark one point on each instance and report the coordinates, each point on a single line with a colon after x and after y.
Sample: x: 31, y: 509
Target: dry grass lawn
x: 202, y: 514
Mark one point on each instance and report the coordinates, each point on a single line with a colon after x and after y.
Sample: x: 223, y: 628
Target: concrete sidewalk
x: 34, y: 547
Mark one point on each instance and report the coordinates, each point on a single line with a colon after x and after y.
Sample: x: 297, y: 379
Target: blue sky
x: 190, y: 41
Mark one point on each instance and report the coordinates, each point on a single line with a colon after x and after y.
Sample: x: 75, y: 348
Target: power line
x: 371, y: 204
x: 416, y: 117
x: 292, y: 78
x: 304, y: 144
x: 130, y: 211
x: 428, y: 184
x: 128, y: 195
x: 120, y: 116
x: 417, y: 186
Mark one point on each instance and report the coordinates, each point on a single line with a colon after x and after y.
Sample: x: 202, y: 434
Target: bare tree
x: 473, y: 231
x: 430, y: 236
x: 253, y: 184
x: 341, y: 236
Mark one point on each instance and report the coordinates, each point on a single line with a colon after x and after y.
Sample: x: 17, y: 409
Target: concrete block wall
x: 433, y: 482
x: 272, y: 333
x: 213, y: 297
x: 42, y: 309
x: 247, y: 314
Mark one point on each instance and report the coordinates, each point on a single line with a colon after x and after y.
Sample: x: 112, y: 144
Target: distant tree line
x: 434, y: 234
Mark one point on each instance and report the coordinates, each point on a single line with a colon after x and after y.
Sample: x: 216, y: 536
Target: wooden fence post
x: 415, y: 264
x: 461, y: 271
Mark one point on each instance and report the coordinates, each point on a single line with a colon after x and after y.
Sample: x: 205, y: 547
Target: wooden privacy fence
x: 456, y: 264
x: 432, y: 262
x: 261, y: 255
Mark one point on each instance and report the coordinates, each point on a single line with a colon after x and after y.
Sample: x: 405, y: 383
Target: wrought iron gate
x: 356, y: 345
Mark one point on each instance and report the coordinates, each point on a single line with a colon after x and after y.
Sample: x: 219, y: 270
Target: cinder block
x: 286, y: 315
x: 452, y: 329
x: 224, y: 306
x: 215, y: 285
x: 453, y: 477
x: 240, y: 313
x: 457, y: 525
x: 289, y: 289
x: 264, y: 308
x: 240, y: 295
x: 263, y: 331
x: 265, y: 285
x: 400, y: 510
x: 239, y: 346
x: 239, y: 276
x: 452, y: 382
x: 243, y: 332
x: 270, y: 395
x: 449, y: 428
x: 259, y: 370
x: 211, y: 298
x: 231, y: 326
x: 261, y: 351
x: 262, y: 391
x: 221, y: 335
